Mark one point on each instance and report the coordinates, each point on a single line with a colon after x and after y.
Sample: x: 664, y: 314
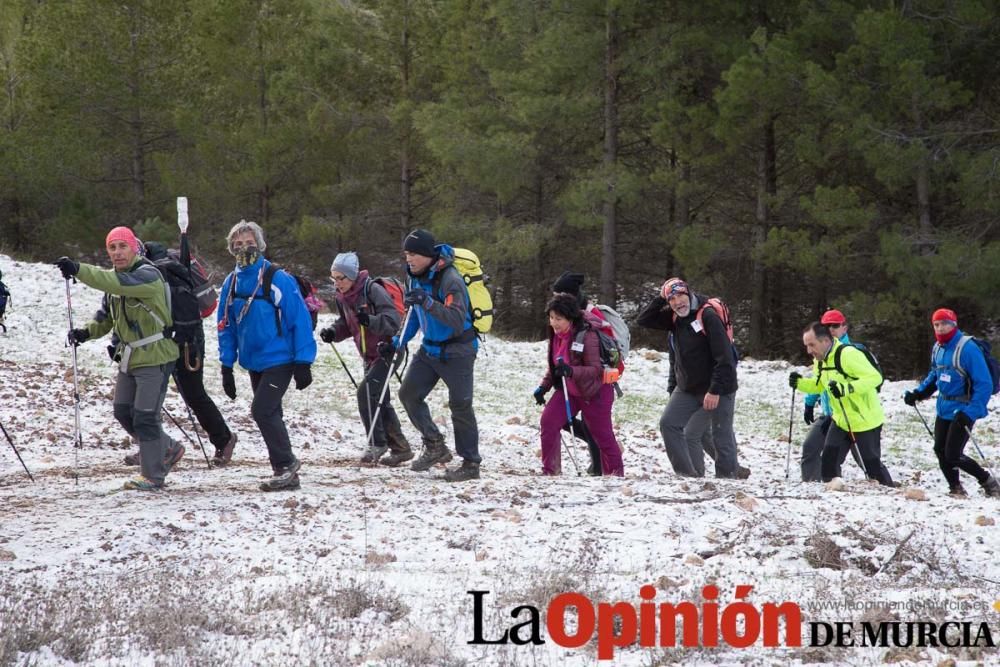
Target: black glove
x: 963, y: 420
x: 793, y: 379
x: 809, y: 414
x: 303, y: 376
x: 77, y: 336
x: 326, y: 335
x: 363, y: 318
x: 836, y: 390
x: 418, y: 297
x: 562, y: 370
x: 911, y: 398
x: 113, y: 352
x: 228, y: 382
x: 539, y: 395
x: 385, y: 350
x: 68, y: 267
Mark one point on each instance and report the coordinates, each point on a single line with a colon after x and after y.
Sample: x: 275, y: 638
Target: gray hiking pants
x: 138, y: 403
x: 812, y: 449
x: 683, y: 424
x: 421, y: 377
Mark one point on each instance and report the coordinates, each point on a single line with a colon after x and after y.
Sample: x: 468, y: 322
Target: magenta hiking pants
x: 597, y: 414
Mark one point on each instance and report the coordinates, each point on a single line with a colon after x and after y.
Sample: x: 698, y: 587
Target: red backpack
x: 393, y: 287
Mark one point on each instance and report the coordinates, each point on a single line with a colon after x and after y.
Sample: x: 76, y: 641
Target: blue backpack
x: 991, y: 363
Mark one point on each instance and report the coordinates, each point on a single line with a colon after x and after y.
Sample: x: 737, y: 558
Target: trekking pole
x: 385, y: 385
x: 16, y: 452
x: 569, y: 420
x: 929, y: 432
x: 346, y: 370
x: 194, y: 427
x: 854, y: 441
x: 178, y: 425
x: 78, y: 438
x: 788, y: 454
x: 975, y: 444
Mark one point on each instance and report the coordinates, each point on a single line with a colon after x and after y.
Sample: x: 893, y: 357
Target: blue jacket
x: 950, y: 384
x: 824, y: 398
x: 449, y: 316
x: 254, y: 340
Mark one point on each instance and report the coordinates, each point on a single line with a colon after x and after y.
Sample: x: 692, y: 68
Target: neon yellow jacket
x: 858, y: 382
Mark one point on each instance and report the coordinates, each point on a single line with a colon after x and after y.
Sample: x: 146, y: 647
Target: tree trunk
x: 135, y: 121
x: 405, y: 168
x: 264, y: 194
x: 767, y: 188
x: 608, y: 267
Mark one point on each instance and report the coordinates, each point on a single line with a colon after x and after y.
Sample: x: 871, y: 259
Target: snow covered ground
x: 373, y: 565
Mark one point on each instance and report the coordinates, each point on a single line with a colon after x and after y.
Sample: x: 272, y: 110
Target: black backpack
x: 4, y: 298
x: 184, y: 307
x: 869, y: 355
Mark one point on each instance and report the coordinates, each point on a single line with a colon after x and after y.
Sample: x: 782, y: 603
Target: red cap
x: 833, y: 317
x: 123, y: 234
x: 944, y: 315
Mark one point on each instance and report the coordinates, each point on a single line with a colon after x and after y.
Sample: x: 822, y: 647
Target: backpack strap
x: 266, y: 288
x: 837, y: 366
x: 956, y: 363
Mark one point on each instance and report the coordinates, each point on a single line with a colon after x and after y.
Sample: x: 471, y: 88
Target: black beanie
x: 420, y: 242
x: 569, y: 282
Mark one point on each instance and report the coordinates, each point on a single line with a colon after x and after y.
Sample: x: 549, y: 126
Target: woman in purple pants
x: 575, y: 355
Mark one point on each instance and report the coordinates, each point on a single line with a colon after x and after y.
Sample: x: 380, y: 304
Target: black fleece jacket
x: 700, y: 362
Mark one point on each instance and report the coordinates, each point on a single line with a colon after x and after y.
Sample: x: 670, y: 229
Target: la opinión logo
x: 737, y: 624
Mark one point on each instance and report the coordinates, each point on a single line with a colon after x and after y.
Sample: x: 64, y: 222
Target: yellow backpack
x: 481, y: 302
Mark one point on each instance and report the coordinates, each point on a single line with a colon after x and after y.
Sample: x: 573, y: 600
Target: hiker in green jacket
x: 135, y: 307
x: 857, y: 410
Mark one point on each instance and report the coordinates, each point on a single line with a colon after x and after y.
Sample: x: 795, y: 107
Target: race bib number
x: 945, y: 377
x: 577, y: 347
x: 696, y: 325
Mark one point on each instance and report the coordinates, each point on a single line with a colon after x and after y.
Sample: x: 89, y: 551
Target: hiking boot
x: 957, y: 491
x: 285, y: 478
x: 374, y: 453
x: 174, y: 457
x: 141, y: 483
x: 133, y: 459
x: 394, y: 459
x: 281, y: 483
x: 224, y: 454
x: 436, y: 452
x: 991, y: 487
x: 468, y: 470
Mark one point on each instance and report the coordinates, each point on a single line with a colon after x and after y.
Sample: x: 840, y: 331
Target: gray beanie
x: 346, y: 263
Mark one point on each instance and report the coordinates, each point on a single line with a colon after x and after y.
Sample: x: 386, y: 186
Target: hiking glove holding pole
x: 69, y: 267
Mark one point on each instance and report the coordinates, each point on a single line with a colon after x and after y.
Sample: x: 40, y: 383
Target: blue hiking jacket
x: 824, y: 398
x: 449, y: 317
x: 951, y: 386
x: 254, y: 340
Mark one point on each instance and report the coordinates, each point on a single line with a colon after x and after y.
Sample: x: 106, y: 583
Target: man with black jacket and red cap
x: 705, y: 374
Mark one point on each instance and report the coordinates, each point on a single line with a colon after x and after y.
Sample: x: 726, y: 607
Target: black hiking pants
x: 269, y: 389
x: 191, y: 385
x: 838, y: 443
x: 950, y: 439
